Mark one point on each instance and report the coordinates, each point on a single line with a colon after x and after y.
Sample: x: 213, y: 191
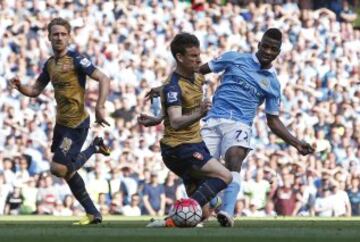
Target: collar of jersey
x: 192, y: 80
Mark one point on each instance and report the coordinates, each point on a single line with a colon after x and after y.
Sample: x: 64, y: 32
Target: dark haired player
x: 247, y: 81
x: 182, y: 148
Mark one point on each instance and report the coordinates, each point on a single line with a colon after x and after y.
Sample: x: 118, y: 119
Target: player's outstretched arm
x: 104, y: 86
x: 280, y: 130
x: 27, y: 90
x: 153, y: 93
x: 148, y: 120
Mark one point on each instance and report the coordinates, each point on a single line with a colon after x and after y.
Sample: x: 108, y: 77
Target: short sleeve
x: 172, y: 95
x: 272, y: 102
x: 44, y: 76
x: 220, y: 63
x: 84, y: 64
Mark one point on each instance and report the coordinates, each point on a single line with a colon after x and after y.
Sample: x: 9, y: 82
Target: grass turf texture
x: 117, y: 228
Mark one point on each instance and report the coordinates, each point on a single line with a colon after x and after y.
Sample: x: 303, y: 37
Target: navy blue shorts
x: 183, y: 158
x: 67, y: 142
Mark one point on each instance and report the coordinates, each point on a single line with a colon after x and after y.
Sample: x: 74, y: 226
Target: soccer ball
x: 186, y: 212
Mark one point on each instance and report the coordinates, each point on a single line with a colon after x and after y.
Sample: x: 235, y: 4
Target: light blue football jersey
x: 243, y: 88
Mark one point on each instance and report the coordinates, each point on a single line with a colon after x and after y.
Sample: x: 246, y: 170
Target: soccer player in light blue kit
x: 248, y: 80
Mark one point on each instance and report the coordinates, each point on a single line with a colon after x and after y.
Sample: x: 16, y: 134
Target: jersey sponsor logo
x: 248, y: 87
x: 198, y: 156
x: 65, y: 145
x: 85, y: 62
x: 172, y: 97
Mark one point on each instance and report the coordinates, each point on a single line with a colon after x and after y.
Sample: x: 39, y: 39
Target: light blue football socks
x: 231, y: 193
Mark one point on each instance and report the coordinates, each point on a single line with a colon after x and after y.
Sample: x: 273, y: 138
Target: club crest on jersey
x: 65, y: 145
x: 172, y: 97
x: 198, y: 156
x: 85, y: 62
x: 264, y: 83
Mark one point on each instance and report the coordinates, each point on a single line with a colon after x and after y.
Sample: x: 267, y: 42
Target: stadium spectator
x: 258, y: 190
x: 340, y: 200
x: 284, y: 198
x: 117, y: 201
x: 29, y: 192
x: 14, y: 201
x: 133, y: 209
x: 46, y: 195
x: 323, y: 204
x: 239, y: 208
x: 354, y: 196
x: 304, y: 199
x: 68, y: 205
x: 170, y: 187
x: 269, y: 209
x: 5, y: 190
x: 154, y: 197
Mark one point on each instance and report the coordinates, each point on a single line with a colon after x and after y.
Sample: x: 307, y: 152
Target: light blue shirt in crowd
x: 243, y: 88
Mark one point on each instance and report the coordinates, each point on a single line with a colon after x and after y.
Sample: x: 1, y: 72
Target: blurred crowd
x: 319, y: 71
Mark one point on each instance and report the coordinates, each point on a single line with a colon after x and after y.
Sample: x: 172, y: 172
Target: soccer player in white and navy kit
x: 248, y: 80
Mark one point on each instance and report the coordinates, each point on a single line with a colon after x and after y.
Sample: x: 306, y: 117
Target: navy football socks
x: 81, y: 158
x: 208, y: 190
x: 77, y: 186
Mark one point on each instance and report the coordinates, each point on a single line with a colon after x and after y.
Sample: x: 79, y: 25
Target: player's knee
x: 234, y: 162
x: 233, y: 165
x: 234, y: 158
x: 58, y: 170
x: 69, y: 175
x: 227, y: 177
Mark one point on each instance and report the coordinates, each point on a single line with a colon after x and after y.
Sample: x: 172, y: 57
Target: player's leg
x: 67, y: 144
x: 80, y: 158
x: 235, y: 147
x: 197, y: 163
x: 234, y: 159
x: 77, y: 187
x: 215, y: 178
x: 193, y: 161
x: 212, y: 137
x: 191, y: 185
x: 97, y: 146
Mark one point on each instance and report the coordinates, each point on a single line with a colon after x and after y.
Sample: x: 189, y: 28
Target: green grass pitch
x: 117, y: 228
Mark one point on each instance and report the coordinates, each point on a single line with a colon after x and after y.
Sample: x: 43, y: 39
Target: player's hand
x: 100, y: 116
x: 305, y: 148
x: 148, y: 120
x: 205, y: 106
x: 153, y: 93
x: 14, y: 83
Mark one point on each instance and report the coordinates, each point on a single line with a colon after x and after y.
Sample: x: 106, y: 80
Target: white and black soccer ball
x: 186, y: 212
